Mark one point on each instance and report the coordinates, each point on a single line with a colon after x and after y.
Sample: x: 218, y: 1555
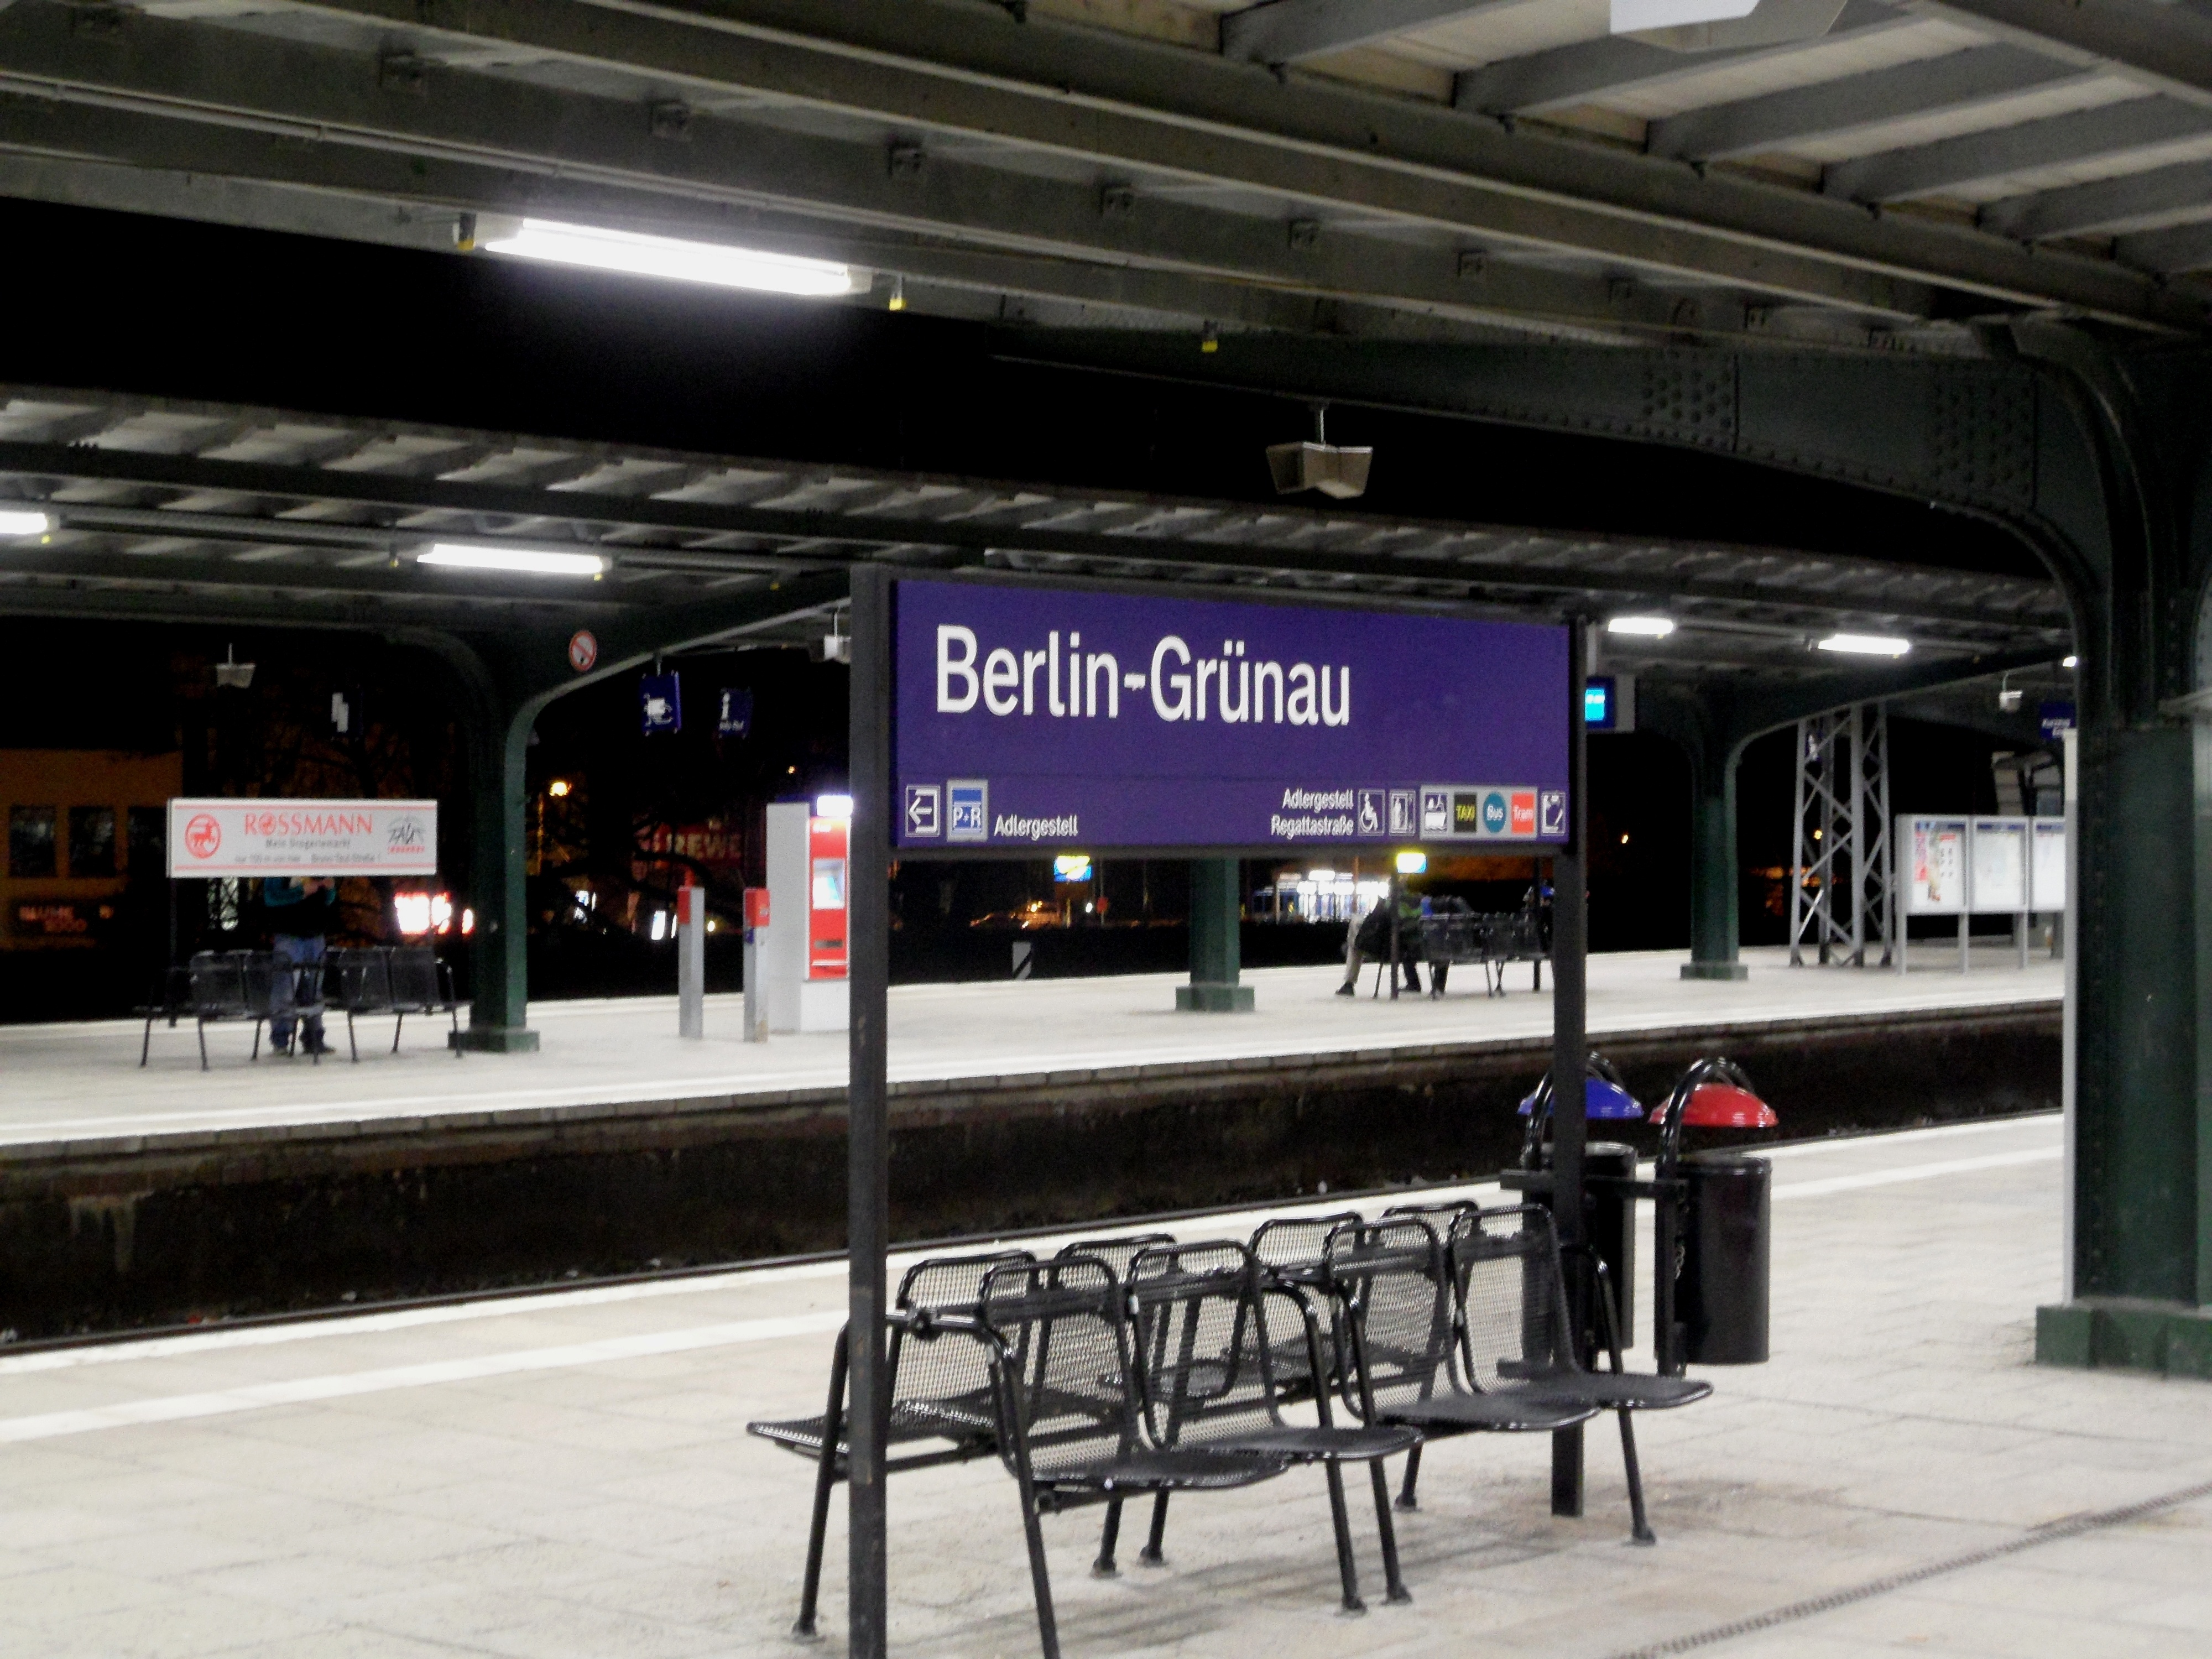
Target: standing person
x: 301, y: 913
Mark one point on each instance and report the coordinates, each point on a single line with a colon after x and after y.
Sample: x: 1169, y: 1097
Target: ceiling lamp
x: 17, y: 522
x: 1654, y: 628
x: 1866, y: 645
x: 527, y: 561
x: 714, y: 262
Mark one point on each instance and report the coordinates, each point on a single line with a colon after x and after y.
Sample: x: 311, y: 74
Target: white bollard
x: 691, y: 962
x: 755, y: 993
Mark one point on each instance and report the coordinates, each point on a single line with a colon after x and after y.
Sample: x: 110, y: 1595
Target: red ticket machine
x: 825, y: 897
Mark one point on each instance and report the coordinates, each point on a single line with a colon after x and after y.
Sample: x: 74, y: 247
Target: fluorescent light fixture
x: 529, y: 561
x: 2069, y: 662
x: 15, y: 522
x: 1413, y: 863
x: 713, y: 262
x: 1866, y: 645
x: 1654, y: 628
x: 832, y: 806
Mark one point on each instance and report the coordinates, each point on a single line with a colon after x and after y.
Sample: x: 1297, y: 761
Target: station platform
x: 78, y: 1090
x: 568, y: 1474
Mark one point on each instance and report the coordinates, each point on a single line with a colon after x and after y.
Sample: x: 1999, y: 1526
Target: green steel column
x: 2136, y: 1101
x: 1216, y: 908
x: 2201, y: 738
x: 1713, y: 931
x: 496, y: 786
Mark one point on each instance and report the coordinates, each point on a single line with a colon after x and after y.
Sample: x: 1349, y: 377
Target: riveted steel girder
x: 950, y: 68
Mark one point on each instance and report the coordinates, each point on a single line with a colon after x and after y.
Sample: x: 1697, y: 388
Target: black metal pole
x: 868, y: 1154
x: 1570, y: 1039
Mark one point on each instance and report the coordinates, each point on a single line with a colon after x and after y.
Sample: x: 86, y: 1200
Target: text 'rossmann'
x: 1183, y: 685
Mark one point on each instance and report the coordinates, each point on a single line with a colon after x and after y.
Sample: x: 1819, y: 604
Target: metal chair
x: 944, y: 1397
x: 362, y: 982
x: 1516, y: 1337
x: 1205, y: 1342
x: 216, y: 989
x: 1071, y: 1423
x: 420, y: 984
x: 1394, y: 1280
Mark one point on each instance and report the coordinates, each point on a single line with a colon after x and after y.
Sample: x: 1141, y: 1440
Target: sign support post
x: 867, y: 1091
x: 1570, y: 1039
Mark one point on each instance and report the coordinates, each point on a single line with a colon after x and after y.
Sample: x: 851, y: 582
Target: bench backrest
x: 940, y: 1387
x: 414, y: 971
x: 1068, y: 1375
x: 1119, y: 1252
x: 1505, y: 1264
x: 1297, y: 1247
x: 217, y: 985
x: 1392, y: 1278
x: 1204, y: 1348
x: 359, y: 979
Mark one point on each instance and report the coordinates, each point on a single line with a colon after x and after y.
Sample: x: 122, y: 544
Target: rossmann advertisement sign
x: 270, y: 837
x: 1029, y: 717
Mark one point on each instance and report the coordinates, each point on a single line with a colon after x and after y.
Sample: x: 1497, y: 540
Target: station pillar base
x: 494, y: 1040
x: 2128, y: 1332
x: 1213, y: 999
x: 1715, y: 970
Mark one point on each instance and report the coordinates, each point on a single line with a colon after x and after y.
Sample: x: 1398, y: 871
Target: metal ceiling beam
x: 462, y: 140
x: 1859, y: 103
x: 2183, y: 247
x: 1593, y: 71
x: 407, y: 589
x: 2136, y: 201
x: 1289, y: 31
x: 1980, y: 158
x: 857, y: 535
x: 945, y: 66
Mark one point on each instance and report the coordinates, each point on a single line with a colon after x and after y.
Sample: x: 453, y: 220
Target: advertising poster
x: 2046, y: 886
x: 1936, y: 866
x: 272, y: 837
x: 2000, y: 859
x: 1053, y: 718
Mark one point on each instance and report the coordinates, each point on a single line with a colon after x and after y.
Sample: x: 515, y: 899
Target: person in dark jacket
x: 301, y: 912
x: 1371, y: 942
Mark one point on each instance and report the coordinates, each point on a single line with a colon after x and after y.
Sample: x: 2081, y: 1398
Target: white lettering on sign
x: 1080, y: 684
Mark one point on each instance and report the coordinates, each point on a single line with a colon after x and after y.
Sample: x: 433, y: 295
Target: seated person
x: 1371, y: 942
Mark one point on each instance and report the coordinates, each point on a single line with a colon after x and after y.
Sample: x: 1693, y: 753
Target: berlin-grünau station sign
x: 1036, y: 717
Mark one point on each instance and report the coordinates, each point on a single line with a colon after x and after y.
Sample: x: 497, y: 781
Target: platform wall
x: 293, y: 1220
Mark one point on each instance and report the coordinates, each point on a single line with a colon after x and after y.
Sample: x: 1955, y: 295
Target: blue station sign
x: 1031, y: 717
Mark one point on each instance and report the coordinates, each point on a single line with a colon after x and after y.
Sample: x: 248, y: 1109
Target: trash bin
x: 1721, y: 1300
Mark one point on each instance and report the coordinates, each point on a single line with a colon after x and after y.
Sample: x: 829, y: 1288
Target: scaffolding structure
x: 1843, y: 867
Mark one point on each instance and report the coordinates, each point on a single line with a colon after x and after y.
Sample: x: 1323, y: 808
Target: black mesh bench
x: 942, y: 1408
x: 1208, y: 1321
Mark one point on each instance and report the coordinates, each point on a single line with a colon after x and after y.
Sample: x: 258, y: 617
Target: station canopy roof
x: 218, y: 513
x: 1853, y: 174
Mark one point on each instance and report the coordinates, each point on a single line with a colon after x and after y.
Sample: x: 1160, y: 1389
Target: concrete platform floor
x: 70, y: 1082
x: 567, y: 1474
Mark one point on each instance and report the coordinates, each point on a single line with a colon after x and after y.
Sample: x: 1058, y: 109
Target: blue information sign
x: 1029, y: 717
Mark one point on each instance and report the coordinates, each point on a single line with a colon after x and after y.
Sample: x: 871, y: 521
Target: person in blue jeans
x: 300, y: 913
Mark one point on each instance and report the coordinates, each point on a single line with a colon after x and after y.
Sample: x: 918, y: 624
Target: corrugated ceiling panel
x: 2087, y: 171
x: 1981, y: 118
x: 1814, y: 61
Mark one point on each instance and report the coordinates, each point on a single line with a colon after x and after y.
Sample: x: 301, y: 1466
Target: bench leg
x: 353, y: 1047
x: 1412, y: 1474
x: 1108, y: 1536
x: 202, y: 1025
x: 1639, y: 1527
x: 146, y: 1043
x: 1150, y: 1555
x: 398, y: 1021
x: 825, y: 1478
x: 1348, y: 1570
x: 1387, y: 1529
x: 1040, y: 1576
